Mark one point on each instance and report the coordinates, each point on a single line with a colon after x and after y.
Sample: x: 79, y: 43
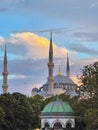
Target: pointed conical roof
x: 5, y: 56
x: 67, y: 67
x: 51, y: 50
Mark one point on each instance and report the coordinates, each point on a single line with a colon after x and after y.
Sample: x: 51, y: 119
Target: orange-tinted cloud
x: 76, y: 80
x: 2, y: 40
x: 37, y: 46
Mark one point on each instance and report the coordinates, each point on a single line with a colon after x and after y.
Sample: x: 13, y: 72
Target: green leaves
x: 89, y: 77
x: 17, y: 112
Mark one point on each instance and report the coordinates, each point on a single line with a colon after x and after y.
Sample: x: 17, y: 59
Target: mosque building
x: 58, y: 84
x: 54, y: 85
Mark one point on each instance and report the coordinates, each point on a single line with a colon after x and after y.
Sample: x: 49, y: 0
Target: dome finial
x: 57, y: 98
x: 59, y: 72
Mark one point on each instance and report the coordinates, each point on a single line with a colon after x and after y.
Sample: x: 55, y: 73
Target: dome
x: 35, y: 89
x: 58, y: 106
x: 62, y: 79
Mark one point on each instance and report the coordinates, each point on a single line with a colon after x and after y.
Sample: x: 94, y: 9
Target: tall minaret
x: 50, y: 68
x: 5, y: 73
x: 67, y: 67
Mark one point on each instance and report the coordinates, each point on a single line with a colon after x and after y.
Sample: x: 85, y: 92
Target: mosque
x: 58, y: 84
x: 54, y: 85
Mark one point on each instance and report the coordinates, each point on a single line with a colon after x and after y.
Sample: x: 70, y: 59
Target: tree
x: 18, y: 112
x: 37, y: 105
x: 89, y: 78
x: 2, y: 115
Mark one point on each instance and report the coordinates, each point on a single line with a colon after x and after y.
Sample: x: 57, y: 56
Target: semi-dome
x: 58, y: 106
x: 35, y: 89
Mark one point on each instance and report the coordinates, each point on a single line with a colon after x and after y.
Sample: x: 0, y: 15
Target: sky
x: 25, y: 27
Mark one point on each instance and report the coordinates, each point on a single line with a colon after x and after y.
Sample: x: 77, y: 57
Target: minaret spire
x: 5, y: 73
x: 67, y: 68
x: 51, y: 49
x: 50, y: 68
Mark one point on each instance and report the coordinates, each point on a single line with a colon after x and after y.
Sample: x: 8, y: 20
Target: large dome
x: 58, y: 106
x: 62, y: 79
x: 62, y: 84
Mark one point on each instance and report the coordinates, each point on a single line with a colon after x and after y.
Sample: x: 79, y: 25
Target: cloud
x: 37, y: 46
x: 64, y: 10
x: 76, y: 80
x: 2, y: 40
x: 86, y: 36
x: 10, y: 1
x: 17, y: 76
x: 95, y: 4
x: 84, y: 49
x: 3, y: 9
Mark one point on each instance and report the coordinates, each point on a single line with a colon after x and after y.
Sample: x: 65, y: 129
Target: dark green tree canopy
x: 89, y: 77
x: 17, y: 112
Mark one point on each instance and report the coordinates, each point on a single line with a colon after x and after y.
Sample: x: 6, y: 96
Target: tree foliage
x: 88, y: 109
x: 89, y: 77
x: 17, y: 112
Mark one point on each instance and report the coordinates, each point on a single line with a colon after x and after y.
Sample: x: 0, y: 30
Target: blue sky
x: 25, y: 27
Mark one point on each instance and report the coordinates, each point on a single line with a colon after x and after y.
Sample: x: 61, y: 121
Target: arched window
x: 47, y: 125
x: 57, y: 125
x: 68, y: 126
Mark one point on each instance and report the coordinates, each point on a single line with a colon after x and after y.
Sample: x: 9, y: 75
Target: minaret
x: 67, y: 68
x: 50, y: 68
x: 5, y: 73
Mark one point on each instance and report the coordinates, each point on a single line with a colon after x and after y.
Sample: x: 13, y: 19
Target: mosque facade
x: 58, y: 84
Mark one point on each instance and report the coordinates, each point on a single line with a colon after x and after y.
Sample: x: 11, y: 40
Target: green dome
x: 58, y: 106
